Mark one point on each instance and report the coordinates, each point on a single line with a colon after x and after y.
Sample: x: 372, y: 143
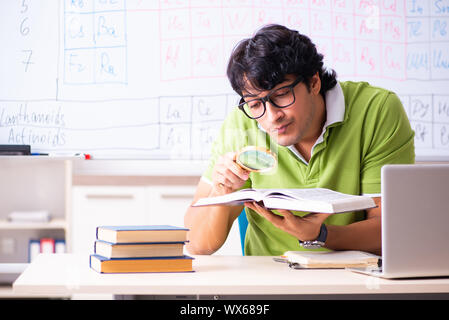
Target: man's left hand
x: 303, y: 228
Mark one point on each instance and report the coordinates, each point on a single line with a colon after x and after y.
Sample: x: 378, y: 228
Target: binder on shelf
x: 59, y: 246
x: 34, y: 248
x: 47, y: 245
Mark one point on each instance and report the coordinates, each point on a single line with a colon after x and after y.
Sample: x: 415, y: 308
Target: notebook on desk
x: 415, y: 222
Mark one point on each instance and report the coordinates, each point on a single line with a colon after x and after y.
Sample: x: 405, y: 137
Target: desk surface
x: 214, y: 275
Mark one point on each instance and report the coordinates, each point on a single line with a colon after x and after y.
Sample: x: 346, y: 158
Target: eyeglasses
x: 280, y: 98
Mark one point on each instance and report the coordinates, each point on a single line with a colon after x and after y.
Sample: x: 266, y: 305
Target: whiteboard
x: 141, y: 79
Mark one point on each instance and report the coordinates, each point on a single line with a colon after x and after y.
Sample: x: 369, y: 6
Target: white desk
x: 214, y: 275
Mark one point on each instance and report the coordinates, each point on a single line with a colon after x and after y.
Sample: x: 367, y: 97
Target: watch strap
x: 318, y: 242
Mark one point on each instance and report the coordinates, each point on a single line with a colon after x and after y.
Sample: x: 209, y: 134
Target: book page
x: 316, y: 194
x: 232, y: 198
x: 313, y: 200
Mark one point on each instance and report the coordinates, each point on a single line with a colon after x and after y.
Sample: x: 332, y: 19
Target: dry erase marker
x: 86, y: 156
x: 77, y: 155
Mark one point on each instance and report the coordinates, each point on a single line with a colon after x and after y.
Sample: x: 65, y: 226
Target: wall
x: 140, y: 79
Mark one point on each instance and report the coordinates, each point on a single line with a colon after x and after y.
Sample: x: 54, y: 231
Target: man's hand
x: 227, y: 175
x: 302, y: 228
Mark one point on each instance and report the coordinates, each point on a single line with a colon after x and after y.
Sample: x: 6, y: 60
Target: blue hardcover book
x: 130, y: 250
x: 139, y: 265
x: 148, y: 233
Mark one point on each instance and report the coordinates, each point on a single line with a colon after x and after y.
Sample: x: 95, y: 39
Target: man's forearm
x: 363, y: 235
x: 208, y: 228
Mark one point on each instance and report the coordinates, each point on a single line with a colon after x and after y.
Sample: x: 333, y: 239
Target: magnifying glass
x: 256, y: 159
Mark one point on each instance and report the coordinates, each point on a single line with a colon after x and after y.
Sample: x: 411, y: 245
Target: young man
x: 325, y: 133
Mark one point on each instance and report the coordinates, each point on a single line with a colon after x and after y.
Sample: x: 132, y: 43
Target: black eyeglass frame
x: 268, y: 98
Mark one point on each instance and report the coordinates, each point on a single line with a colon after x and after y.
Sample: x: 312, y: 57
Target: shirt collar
x: 335, y: 105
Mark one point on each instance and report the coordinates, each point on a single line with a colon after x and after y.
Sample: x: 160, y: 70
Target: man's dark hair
x: 272, y: 53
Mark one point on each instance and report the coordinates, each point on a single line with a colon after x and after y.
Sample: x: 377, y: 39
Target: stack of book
x: 130, y: 249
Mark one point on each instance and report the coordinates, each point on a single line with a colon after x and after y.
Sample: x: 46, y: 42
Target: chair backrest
x: 243, y: 224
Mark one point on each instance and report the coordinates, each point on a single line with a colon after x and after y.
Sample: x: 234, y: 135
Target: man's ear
x: 315, y: 84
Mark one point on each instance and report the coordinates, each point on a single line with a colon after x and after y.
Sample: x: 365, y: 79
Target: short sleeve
x: 389, y: 140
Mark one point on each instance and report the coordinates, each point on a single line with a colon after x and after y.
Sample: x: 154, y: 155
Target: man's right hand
x: 227, y: 175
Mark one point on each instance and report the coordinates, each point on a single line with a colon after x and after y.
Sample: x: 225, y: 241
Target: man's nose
x: 273, y: 113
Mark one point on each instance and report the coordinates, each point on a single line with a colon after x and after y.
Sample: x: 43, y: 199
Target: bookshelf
x: 30, y: 184
x: 56, y: 223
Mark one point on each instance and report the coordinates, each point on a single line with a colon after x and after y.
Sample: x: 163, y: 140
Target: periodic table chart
x: 146, y: 78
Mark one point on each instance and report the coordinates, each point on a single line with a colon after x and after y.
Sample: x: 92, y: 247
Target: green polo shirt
x: 366, y: 128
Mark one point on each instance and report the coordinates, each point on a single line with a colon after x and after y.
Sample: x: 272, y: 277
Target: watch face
x: 312, y: 244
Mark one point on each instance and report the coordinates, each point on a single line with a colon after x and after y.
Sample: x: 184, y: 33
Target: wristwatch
x: 318, y: 242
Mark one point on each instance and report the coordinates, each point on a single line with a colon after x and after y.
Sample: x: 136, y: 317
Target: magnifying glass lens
x: 256, y: 159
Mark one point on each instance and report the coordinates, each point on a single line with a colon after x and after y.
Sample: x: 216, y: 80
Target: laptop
x: 415, y: 222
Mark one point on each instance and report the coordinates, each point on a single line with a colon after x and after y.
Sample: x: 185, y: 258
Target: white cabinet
x: 29, y: 184
x: 105, y: 205
x: 128, y: 205
x: 169, y: 203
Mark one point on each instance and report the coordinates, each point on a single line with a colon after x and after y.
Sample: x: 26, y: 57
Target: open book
x: 310, y: 200
x: 331, y: 259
